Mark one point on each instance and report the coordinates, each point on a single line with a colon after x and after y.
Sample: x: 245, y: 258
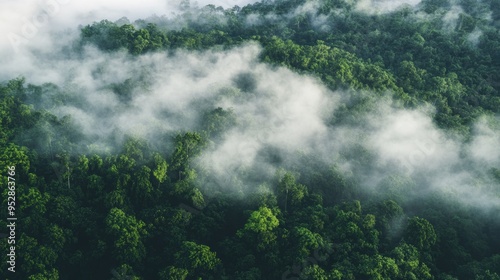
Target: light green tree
x: 127, y: 233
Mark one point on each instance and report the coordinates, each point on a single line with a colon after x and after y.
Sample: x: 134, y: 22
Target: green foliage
x: 314, y: 272
x: 49, y: 275
x: 160, y: 172
x: 216, y: 122
x: 187, y: 147
x: 420, y: 233
x: 338, y: 67
x: 289, y: 191
x: 174, y: 273
x: 198, y: 259
x: 260, y: 227
x: 124, y: 271
x: 109, y: 36
x: 127, y: 233
x: 262, y: 221
x: 144, y: 212
x: 306, y: 241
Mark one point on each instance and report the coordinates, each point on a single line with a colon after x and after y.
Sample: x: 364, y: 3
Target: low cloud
x: 281, y: 116
x: 384, y: 6
x: 27, y: 24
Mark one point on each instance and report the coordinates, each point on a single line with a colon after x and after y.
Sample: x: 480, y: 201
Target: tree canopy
x: 152, y: 211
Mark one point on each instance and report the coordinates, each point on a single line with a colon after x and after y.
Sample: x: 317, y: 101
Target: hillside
x: 285, y: 139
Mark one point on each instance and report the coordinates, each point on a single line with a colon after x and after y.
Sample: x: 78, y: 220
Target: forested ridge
x: 212, y: 194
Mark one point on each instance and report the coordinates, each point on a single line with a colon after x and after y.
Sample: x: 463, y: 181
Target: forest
x: 283, y: 139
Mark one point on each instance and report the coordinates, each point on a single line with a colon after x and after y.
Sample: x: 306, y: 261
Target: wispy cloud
x: 281, y: 115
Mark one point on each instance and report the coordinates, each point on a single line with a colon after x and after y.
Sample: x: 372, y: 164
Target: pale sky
x: 27, y: 23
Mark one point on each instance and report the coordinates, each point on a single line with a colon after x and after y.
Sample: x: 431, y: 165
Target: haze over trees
x: 284, y: 139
